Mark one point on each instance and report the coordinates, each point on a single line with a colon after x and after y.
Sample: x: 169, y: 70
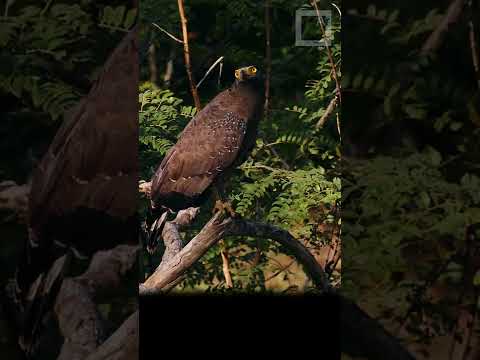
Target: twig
x: 226, y: 268
x: 280, y: 271
x: 166, y: 32
x: 284, y: 163
x: 474, y: 49
x: 219, y: 60
x: 467, y: 285
x: 434, y: 41
x: 328, y: 112
x: 329, y: 53
x: 470, y: 329
x: 186, y: 52
x: 268, y: 57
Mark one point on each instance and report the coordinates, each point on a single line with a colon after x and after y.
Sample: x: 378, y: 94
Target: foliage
x: 50, y: 53
x: 409, y: 177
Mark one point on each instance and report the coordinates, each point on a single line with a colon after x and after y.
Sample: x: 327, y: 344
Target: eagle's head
x: 247, y: 74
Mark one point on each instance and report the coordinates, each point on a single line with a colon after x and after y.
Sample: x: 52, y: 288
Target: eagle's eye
x: 237, y: 74
x: 252, y: 69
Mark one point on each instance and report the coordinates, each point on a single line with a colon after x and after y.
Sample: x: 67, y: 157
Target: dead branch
x: 186, y: 52
x: 268, y: 57
x: 167, y: 33
x: 76, y: 311
x: 435, y: 40
x: 165, y: 276
x: 210, y: 69
x: 474, y: 50
x: 171, y: 233
x: 171, y: 269
x: 328, y: 112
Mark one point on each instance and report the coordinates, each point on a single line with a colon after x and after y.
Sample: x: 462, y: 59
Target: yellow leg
x: 221, y: 204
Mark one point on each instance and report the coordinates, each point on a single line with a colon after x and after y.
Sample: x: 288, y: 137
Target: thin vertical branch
x: 329, y: 52
x: 268, y: 57
x: 186, y: 51
x: 474, y: 49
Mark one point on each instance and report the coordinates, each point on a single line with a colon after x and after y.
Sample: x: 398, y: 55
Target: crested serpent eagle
x: 217, y: 139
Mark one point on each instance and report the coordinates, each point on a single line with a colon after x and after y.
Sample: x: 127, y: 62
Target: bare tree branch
x: 328, y: 112
x: 168, y: 34
x: 474, y: 50
x: 171, y: 235
x: 165, y: 276
x: 268, y: 57
x: 210, y: 69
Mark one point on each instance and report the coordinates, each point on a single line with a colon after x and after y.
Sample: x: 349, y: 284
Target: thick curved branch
x: 361, y: 335
x: 293, y: 246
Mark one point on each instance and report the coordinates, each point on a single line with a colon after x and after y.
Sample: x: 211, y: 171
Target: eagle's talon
x: 225, y: 206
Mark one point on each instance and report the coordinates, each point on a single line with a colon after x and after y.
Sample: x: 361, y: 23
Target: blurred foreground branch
x: 77, y: 315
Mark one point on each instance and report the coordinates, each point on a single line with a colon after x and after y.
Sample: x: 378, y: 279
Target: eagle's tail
x: 28, y: 304
x: 154, y: 227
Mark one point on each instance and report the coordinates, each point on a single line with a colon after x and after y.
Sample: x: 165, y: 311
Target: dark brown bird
x: 217, y: 139
x: 84, y: 193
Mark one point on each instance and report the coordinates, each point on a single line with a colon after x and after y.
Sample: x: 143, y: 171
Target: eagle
x: 83, y: 196
x: 219, y: 138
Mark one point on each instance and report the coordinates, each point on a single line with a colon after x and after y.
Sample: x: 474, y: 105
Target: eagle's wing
x: 208, y: 146
x: 84, y: 190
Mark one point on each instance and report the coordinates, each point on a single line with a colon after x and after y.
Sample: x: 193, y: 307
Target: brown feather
x: 84, y: 191
x: 216, y: 139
